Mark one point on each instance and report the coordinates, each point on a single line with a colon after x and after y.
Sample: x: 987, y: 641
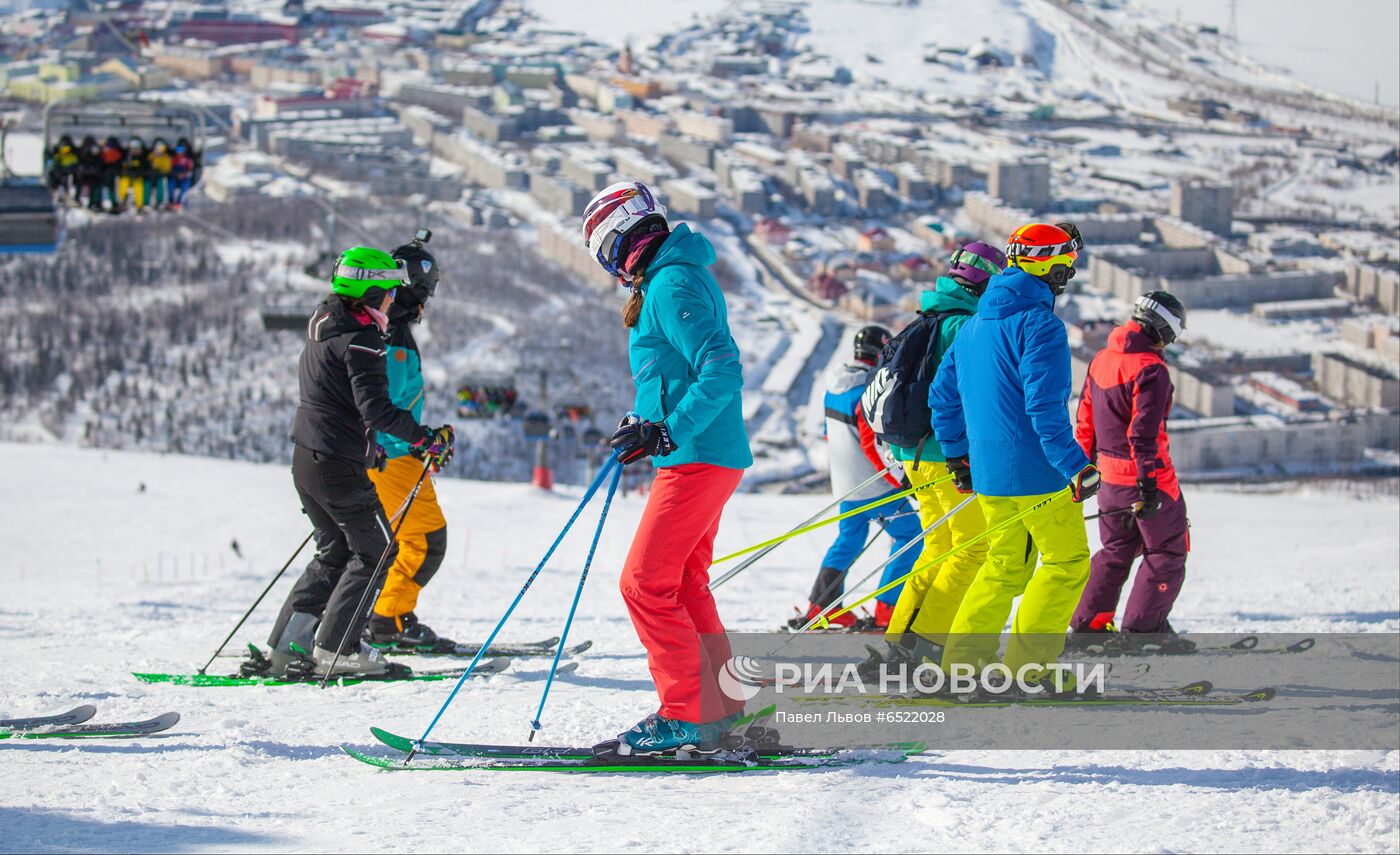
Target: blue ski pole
x: 569, y: 621
x: 587, y: 496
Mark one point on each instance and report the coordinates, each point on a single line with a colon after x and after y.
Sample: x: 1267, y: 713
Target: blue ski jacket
x: 1001, y: 393
x: 685, y: 363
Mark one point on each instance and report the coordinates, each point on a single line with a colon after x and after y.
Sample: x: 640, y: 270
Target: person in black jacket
x: 90, y: 173
x: 344, y: 402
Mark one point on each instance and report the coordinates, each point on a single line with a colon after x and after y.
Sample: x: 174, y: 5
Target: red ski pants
x: 665, y: 584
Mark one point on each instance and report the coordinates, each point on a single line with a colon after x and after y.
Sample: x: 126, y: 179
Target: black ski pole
x: 1126, y: 510
x: 259, y: 600
x: 256, y: 602
x: 379, y: 568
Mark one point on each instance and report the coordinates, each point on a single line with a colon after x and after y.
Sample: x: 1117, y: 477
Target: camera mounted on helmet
x: 421, y: 271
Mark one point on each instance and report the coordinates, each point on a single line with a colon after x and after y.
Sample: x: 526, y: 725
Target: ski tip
x: 1249, y: 642
x: 1300, y: 646
x: 164, y: 721
x: 1201, y: 687
x: 581, y: 647
x: 1267, y: 693
x: 766, y: 711
x: 80, y: 714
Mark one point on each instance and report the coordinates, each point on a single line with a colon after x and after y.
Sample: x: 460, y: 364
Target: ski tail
x: 89, y: 730
x: 77, y: 715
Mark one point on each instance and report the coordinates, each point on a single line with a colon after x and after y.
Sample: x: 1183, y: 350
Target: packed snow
x: 121, y: 561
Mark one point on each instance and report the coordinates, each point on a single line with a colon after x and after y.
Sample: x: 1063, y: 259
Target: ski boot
x: 1057, y: 684
x: 1092, y: 642
x: 1164, y: 642
x: 845, y: 621
x: 896, y: 658
x: 406, y: 632
x: 656, y: 734
x: 366, y: 661
x: 890, y: 660
x: 883, y: 612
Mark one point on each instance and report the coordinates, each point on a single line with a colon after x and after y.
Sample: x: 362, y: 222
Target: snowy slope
x: 102, y: 579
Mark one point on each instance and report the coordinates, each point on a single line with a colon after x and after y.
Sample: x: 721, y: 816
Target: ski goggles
x: 372, y: 278
x: 972, y: 259
x: 602, y: 208
x: 1069, y: 247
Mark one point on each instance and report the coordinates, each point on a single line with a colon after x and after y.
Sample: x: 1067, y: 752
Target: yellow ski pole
x: 920, y: 539
x: 813, y: 518
x: 814, y: 526
x: 823, y: 621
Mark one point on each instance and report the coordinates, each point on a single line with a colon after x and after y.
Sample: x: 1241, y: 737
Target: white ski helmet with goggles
x: 612, y: 216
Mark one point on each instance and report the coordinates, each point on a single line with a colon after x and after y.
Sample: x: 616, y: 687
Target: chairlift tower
x: 1233, y: 28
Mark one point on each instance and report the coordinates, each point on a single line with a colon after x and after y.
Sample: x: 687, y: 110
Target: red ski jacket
x: 1123, y: 411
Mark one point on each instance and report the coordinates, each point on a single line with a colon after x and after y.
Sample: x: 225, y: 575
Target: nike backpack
x: 895, y: 402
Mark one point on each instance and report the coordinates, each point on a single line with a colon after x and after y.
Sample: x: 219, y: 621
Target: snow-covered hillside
x: 121, y: 561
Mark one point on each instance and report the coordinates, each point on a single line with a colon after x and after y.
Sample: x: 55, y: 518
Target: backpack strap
x: 919, y: 452
x: 936, y: 319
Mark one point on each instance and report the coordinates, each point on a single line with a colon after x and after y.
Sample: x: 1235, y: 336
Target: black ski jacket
x: 344, y: 388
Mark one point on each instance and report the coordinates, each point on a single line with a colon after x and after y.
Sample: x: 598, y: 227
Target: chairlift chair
x: 29, y: 220
x: 122, y: 118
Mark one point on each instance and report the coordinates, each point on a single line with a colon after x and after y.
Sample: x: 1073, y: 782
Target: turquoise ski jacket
x: 685, y: 363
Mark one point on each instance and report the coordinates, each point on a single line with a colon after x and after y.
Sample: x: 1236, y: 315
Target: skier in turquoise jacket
x: 688, y: 417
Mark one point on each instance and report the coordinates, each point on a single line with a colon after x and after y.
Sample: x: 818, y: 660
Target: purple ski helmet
x: 972, y: 265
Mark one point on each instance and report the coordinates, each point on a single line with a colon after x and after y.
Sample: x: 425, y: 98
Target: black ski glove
x: 961, y: 470
x: 636, y: 438
x: 1149, y: 502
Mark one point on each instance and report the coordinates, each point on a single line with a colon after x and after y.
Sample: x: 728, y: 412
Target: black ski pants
x: 352, y: 532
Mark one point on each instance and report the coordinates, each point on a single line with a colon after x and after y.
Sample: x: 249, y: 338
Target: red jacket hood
x: 1131, y: 338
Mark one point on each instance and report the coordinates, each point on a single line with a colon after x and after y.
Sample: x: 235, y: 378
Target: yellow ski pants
x: 133, y: 185
x: 422, y: 536
x: 932, y: 596
x: 1048, y: 594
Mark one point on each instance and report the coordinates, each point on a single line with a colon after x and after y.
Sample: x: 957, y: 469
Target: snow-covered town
x: 836, y: 178
x: 180, y: 180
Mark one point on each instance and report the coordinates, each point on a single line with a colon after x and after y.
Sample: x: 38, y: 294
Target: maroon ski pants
x: 1162, y: 540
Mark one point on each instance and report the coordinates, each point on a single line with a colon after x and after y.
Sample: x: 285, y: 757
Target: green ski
x: 625, y: 764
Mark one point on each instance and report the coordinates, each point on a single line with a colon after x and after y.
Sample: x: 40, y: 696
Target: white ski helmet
x: 612, y: 215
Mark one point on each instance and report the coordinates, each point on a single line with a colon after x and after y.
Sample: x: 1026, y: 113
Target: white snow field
x: 102, y: 578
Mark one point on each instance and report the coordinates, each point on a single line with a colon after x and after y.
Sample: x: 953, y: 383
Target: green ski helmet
x: 360, y: 268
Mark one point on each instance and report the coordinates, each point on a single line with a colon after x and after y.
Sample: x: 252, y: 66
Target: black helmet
x: 1161, y: 314
x: 870, y: 341
x: 423, y: 273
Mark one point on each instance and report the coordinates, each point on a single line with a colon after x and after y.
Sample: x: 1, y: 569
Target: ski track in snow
x: 258, y: 768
